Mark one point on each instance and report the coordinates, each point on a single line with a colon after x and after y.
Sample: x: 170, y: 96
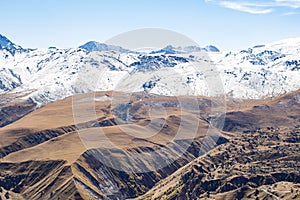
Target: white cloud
x: 257, y: 6
x: 290, y: 13
x: 288, y: 3
x: 244, y: 7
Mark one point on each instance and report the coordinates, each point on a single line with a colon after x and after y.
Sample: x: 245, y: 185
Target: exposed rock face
x: 248, y: 162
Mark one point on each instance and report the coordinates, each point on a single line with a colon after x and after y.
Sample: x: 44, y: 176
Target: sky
x: 227, y: 24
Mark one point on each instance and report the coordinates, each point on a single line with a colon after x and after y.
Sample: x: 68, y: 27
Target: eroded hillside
x: 43, y: 157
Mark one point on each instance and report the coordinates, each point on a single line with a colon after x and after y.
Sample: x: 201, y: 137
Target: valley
x: 49, y: 159
x: 104, y: 122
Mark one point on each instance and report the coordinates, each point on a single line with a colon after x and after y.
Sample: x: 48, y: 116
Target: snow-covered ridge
x: 52, y: 74
x: 97, y: 46
x: 184, y: 50
x: 6, y: 44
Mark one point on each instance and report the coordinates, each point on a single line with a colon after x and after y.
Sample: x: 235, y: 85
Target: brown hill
x: 261, y: 159
x: 43, y: 157
x: 45, y: 145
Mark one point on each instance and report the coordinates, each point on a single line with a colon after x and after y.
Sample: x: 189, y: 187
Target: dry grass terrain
x: 43, y: 157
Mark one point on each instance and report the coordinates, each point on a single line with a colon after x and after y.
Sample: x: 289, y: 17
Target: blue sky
x: 230, y: 24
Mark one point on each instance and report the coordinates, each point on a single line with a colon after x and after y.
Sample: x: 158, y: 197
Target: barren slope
x: 48, y: 135
x: 43, y: 157
x: 257, y: 163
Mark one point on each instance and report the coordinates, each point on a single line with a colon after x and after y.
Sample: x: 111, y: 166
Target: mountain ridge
x: 8, y: 45
x: 49, y: 166
x: 52, y: 74
x: 97, y: 46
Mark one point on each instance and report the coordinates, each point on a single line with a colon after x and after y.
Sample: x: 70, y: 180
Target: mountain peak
x: 97, y: 46
x: 5, y: 43
x: 211, y: 48
x: 188, y: 49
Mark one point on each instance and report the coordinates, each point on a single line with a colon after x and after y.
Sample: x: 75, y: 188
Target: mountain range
x: 51, y: 74
x: 78, y: 123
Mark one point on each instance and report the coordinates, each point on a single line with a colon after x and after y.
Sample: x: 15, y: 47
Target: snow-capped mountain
x: 97, y: 46
x: 8, y: 45
x: 183, y: 50
x: 50, y: 74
